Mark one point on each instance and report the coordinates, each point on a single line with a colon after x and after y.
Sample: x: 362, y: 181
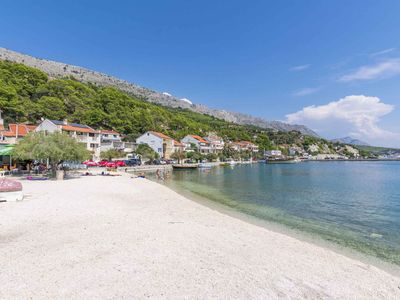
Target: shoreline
x: 116, y: 237
x: 304, y: 236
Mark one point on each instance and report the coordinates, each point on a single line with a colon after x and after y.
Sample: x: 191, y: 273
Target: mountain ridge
x: 351, y: 141
x: 58, y: 70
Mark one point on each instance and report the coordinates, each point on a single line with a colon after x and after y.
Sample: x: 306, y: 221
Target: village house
x: 216, y: 143
x: 272, y: 153
x: 198, y: 142
x: 14, y: 132
x: 249, y: 146
x: 178, y: 146
x: 159, y: 142
x: 111, y: 139
x: 110, y: 136
x: 244, y: 146
x: 82, y: 133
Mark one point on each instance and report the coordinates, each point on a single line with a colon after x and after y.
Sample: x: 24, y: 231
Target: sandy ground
x: 117, y: 237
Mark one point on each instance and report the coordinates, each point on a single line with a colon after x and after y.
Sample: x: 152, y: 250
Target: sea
x: 355, y: 205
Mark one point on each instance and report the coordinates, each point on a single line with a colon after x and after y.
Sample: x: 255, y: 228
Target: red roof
x: 178, y: 144
x: 199, y: 138
x: 104, y: 131
x: 160, y: 135
x: 78, y: 129
x: 15, y: 130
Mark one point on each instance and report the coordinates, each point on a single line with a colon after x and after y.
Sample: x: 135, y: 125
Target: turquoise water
x: 353, y: 204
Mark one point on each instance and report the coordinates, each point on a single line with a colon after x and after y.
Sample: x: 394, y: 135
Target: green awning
x: 7, y: 150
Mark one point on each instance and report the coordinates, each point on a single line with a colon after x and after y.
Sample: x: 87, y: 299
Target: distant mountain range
x: 350, y: 141
x: 58, y: 70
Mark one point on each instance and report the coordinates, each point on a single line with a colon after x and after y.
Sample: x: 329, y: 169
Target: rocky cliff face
x: 57, y: 70
x: 350, y: 141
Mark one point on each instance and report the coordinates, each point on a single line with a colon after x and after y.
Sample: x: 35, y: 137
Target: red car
x: 90, y: 163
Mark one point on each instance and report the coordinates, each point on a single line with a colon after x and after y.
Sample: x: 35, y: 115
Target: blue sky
x: 331, y: 65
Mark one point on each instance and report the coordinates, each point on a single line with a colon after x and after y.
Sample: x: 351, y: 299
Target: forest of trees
x: 28, y: 94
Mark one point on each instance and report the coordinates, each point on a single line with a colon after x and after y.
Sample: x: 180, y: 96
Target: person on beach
x: 158, y: 174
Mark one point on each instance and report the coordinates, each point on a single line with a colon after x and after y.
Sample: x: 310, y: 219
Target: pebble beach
x: 100, y: 237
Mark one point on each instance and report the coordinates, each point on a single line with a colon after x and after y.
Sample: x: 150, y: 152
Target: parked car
x: 68, y: 165
x: 133, y: 162
x: 90, y: 163
x: 170, y: 161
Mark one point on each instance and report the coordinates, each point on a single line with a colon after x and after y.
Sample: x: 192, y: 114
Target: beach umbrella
x: 7, y: 150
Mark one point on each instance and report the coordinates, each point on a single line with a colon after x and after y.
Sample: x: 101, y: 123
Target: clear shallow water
x: 353, y: 204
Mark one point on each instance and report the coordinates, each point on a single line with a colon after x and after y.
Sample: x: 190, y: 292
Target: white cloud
x: 305, y: 91
x: 355, y: 115
x: 383, y: 69
x: 382, y: 52
x: 299, y: 68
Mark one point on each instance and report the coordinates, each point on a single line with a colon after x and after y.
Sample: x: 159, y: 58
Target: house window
x: 91, y: 134
x: 93, y: 145
x: 160, y: 150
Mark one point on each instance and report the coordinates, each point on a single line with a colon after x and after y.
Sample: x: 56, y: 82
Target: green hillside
x: 27, y: 94
x: 378, y: 150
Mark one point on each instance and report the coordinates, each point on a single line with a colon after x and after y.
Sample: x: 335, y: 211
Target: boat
x: 185, y: 166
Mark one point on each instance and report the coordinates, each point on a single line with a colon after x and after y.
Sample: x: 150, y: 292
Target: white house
x: 178, y: 146
x: 110, y: 136
x: 201, y: 144
x: 82, y: 133
x: 159, y: 142
x: 216, y: 143
x: 111, y: 139
x: 244, y: 146
x: 272, y: 153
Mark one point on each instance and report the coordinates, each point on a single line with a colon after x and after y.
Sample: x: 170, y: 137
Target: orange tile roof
x: 199, y: 138
x: 31, y: 127
x: 105, y: 131
x: 18, y: 130
x: 78, y: 129
x: 160, y: 135
x: 178, y: 144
